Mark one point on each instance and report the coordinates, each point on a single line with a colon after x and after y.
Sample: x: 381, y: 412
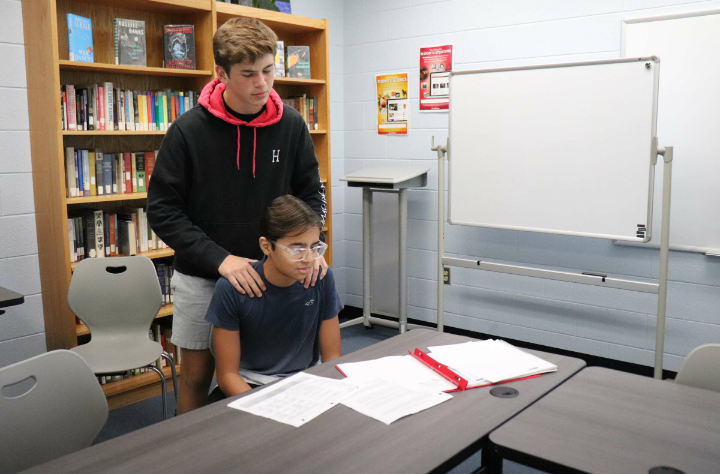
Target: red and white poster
x: 436, y: 62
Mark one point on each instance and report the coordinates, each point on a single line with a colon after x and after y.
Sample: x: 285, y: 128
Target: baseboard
x: 351, y: 312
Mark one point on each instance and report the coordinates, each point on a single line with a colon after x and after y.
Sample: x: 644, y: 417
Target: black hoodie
x: 215, y: 175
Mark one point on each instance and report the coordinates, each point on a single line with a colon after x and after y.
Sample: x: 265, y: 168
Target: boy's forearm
x: 232, y: 384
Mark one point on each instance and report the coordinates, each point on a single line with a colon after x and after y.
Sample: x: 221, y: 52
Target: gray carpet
x: 139, y: 415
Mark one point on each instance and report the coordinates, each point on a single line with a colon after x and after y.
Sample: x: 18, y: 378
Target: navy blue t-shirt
x: 278, y: 332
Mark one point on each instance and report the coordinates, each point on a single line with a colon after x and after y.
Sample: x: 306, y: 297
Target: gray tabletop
x: 10, y: 298
x: 605, y: 421
x: 220, y: 439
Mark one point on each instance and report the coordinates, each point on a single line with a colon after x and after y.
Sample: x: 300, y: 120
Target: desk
x: 605, y: 421
x: 220, y: 439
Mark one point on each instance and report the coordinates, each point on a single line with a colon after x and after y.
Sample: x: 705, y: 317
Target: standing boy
x: 287, y: 329
x: 220, y: 165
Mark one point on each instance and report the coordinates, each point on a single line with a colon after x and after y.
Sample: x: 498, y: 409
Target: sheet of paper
x: 400, y: 369
x: 296, y: 399
x: 389, y: 401
x: 490, y: 360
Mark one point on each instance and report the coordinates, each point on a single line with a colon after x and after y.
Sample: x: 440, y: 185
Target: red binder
x: 450, y: 375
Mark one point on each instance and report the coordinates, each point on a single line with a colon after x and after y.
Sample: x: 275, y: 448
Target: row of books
x: 130, y: 42
x: 97, y: 234
x: 103, y: 107
x: 165, y: 274
x: 295, y: 62
x: 308, y: 108
x: 159, y: 333
x: 95, y: 173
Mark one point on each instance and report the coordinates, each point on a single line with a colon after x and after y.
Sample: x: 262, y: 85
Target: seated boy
x: 285, y: 330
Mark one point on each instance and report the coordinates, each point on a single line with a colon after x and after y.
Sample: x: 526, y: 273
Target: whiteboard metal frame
x: 598, y: 279
x: 653, y: 147
x: 707, y: 251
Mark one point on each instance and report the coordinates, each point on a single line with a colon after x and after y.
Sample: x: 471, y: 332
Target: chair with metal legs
x: 118, y: 299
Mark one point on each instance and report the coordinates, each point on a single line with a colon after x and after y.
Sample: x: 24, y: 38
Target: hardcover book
x: 298, y: 61
x: 280, y: 59
x: 130, y: 46
x: 179, y: 41
x: 80, y: 40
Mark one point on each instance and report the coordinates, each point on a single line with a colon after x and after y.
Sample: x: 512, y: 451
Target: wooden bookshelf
x: 82, y: 330
x: 138, y: 387
x: 48, y: 68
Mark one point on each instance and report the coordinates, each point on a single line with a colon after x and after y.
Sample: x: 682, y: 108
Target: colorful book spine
x: 93, y: 182
x: 87, y: 172
x: 107, y: 171
x: 99, y: 174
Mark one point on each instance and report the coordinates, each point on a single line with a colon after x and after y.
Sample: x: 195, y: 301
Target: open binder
x: 453, y: 377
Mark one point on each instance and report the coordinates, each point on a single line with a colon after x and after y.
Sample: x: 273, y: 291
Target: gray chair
x: 701, y: 368
x: 118, y: 299
x: 50, y: 405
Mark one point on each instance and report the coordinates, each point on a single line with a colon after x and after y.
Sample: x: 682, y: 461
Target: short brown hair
x: 241, y: 40
x: 287, y: 216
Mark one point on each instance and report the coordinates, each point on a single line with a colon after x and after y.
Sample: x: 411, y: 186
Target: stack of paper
x: 490, y: 361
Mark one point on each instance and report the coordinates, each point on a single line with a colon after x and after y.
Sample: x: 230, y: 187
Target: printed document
x: 296, y: 399
x: 405, y: 370
x: 489, y: 361
x: 388, y: 401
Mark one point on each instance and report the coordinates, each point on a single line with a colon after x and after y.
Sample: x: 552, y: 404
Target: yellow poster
x: 393, y: 106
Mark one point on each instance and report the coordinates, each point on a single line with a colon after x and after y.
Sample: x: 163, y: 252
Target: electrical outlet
x: 446, y: 275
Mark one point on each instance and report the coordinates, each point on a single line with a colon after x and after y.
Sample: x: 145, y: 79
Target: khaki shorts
x: 190, y: 304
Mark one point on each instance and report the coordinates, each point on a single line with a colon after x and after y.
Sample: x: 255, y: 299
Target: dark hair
x: 287, y: 215
x: 241, y: 40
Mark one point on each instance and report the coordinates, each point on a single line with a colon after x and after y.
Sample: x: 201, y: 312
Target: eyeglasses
x: 298, y: 253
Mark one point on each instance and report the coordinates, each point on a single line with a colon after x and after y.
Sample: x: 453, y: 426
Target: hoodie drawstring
x: 238, y: 148
x: 237, y: 158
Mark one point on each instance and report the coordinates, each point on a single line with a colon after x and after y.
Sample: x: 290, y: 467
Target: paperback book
x: 130, y: 48
x: 298, y: 61
x: 80, y: 40
x: 179, y: 41
x: 280, y: 59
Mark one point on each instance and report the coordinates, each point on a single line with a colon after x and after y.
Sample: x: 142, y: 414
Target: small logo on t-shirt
x: 310, y: 303
x: 276, y: 156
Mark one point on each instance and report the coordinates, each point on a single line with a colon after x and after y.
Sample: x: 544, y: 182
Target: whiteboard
x: 563, y: 149
x: 689, y: 120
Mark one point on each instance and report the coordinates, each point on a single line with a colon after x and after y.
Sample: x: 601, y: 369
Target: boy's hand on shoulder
x: 242, y: 275
x: 320, y: 267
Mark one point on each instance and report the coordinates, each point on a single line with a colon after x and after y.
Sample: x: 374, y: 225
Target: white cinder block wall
x: 22, y: 329
x: 385, y: 36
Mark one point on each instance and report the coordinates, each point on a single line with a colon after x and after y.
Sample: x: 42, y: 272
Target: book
x: 127, y: 169
x: 93, y: 182
x: 130, y: 47
x: 107, y: 171
x: 87, y: 172
x: 126, y: 236
x: 99, y: 174
x: 70, y: 174
x: 280, y: 59
x: 80, y: 42
x: 149, y: 166
x: 140, y: 172
x: 179, y: 42
x: 71, y: 112
x: 298, y: 61
x: 106, y: 233
x: 108, y: 101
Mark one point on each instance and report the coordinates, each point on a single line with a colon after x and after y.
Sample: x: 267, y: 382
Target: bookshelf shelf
x: 133, y: 70
x: 112, y: 132
x: 299, y: 82
x: 137, y: 381
x: 82, y: 330
x: 108, y: 198
x: 159, y: 6
x: 280, y: 22
x: 151, y: 254
x: 318, y: 132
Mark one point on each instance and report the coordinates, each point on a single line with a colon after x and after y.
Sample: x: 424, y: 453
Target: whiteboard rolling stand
x: 385, y: 180
x: 586, y: 278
